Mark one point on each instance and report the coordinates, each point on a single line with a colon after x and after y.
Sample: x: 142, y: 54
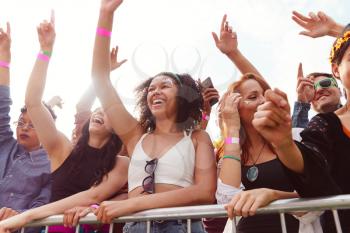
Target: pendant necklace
x: 253, y: 171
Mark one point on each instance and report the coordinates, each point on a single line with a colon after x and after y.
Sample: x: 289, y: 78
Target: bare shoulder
x: 200, y: 136
x: 123, y: 160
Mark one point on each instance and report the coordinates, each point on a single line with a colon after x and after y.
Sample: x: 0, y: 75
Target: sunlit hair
x: 245, y: 140
x: 339, y: 47
x: 189, y: 102
x: 106, y: 161
x: 319, y: 74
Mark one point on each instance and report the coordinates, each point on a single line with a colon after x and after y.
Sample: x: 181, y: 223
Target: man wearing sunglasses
x: 25, y: 180
x: 319, y: 90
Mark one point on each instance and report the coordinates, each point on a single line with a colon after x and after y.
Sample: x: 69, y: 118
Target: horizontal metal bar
x: 194, y: 212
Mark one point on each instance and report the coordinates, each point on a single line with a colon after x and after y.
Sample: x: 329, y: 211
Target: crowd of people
x: 116, y: 164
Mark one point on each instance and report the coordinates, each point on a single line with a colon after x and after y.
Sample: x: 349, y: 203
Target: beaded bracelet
x: 231, y: 157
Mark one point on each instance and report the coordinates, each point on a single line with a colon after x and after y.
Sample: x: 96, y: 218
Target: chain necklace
x: 253, y: 171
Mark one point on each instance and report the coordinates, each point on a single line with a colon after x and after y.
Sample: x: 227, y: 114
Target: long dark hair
x: 189, y: 102
x: 108, y: 153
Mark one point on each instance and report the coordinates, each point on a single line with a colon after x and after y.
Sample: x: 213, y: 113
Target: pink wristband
x: 231, y: 140
x: 205, y: 117
x: 103, y: 32
x: 4, y: 64
x: 94, y: 206
x: 43, y: 57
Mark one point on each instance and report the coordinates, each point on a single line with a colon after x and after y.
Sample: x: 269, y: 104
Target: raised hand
x: 208, y: 95
x: 227, y: 42
x: 110, y: 5
x: 305, y: 87
x: 5, y: 41
x: 47, y: 34
x: 247, y: 202
x: 228, y: 113
x: 272, y: 119
x: 316, y: 25
x: 114, y: 59
x: 55, y: 101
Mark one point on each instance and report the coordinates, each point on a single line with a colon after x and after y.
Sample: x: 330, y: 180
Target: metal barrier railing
x: 333, y: 203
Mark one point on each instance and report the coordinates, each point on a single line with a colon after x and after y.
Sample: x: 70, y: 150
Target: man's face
x: 26, y: 134
x: 325, y: 99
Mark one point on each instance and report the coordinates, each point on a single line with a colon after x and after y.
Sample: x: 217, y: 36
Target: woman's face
x: 99, y: 123
x: 343, y: 69
x: 161, y: 97
x: 252, y: 96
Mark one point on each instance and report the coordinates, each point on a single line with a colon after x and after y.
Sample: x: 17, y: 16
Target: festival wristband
x: 4, y: 64
x: 94, y: 206
x: 44, y: 56
x: 231, y: 157
x: 205, y: 117
x: 103, y: 32
x: 231, y: 140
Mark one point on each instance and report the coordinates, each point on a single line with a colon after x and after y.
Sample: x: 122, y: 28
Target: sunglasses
x: 325, y: 83
x: 148, y: 182
x: 21, y: 124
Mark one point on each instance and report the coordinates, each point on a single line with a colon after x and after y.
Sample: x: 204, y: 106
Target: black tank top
x: 271, y: 175
x: 76, y: 174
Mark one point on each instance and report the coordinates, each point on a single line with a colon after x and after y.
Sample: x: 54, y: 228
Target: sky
x: 164, y: 35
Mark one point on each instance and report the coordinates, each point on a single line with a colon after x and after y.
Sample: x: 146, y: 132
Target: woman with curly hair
x: 171, y: 163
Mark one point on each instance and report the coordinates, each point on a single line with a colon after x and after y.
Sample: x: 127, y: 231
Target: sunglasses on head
x: 325, y: 83
x: 148, y: 182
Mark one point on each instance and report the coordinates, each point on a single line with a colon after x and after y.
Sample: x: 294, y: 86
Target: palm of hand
x: 5, y: 42
x: 227, y: 42
x: 319, y: 28
x: 46, y: 36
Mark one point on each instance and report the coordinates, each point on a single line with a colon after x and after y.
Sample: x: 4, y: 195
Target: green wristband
x: 231, y: 157
x: 47, y: 53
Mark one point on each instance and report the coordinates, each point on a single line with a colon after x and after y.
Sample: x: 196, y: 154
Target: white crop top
x: 175, y: 167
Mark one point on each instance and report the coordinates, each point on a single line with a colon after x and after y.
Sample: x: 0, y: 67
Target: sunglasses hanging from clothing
x: 148, y: 182
x: 253, y: 171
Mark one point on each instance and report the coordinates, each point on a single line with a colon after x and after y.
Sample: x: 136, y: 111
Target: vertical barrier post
x: 336, y: 221
x: 189, y: 226
x: 283, y: 223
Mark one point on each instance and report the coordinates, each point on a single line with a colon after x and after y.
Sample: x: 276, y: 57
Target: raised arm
x: 83, y: 107
x: 230, y: 172
x: 55, y: 143
x: 5, y: 55
x: 227, y: 43
x: 317, y: 25
x: 272, y: 120
x: 305, y: 94
x: 123, y: 123
x: 111, y: 183
x: 5, y: 101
